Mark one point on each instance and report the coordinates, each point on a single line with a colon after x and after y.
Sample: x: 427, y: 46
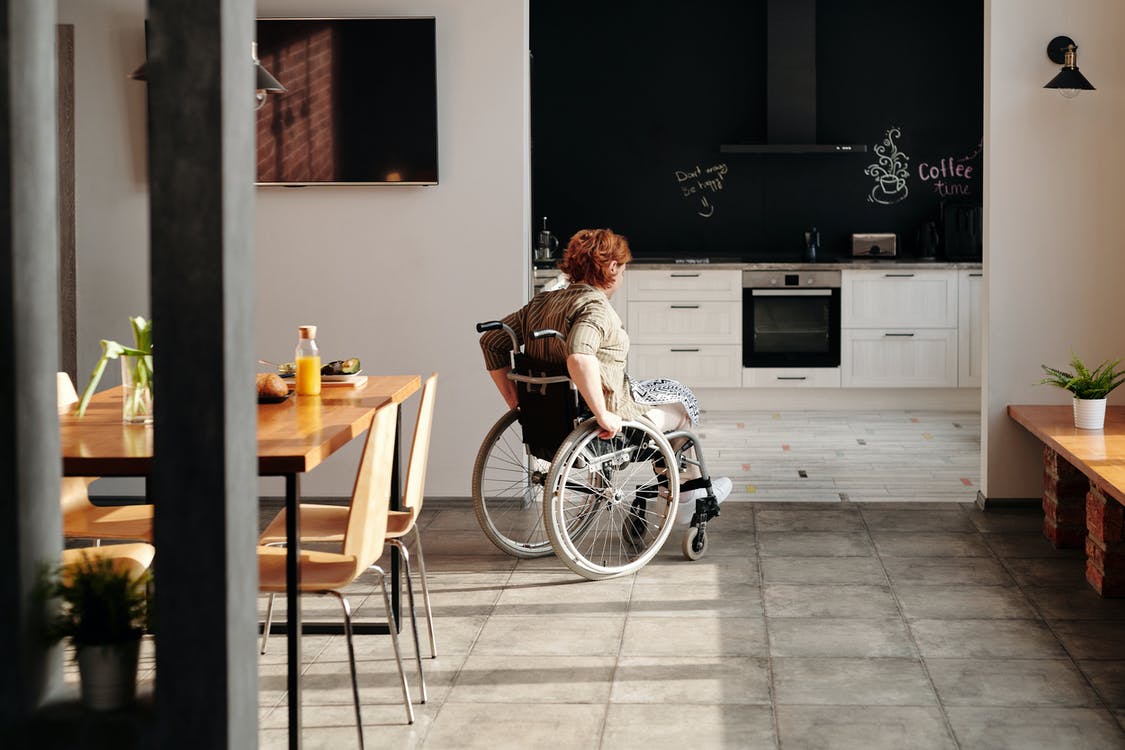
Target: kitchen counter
x: 663, y: 264
x: 914, y: 264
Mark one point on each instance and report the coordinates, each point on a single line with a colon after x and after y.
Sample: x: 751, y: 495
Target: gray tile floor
x: 806, y: 626
x: 816, y: 620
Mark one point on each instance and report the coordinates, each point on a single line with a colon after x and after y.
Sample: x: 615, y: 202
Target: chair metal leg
x: 269, y: 610
x: 425, y: 591
x: 351, y: 661
x: 413, y: 613
x: 394, y: 640
x: 269, y: 622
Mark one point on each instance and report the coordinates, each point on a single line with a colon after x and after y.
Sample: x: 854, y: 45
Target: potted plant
x: 1090, y: 388
x: 103, y: 609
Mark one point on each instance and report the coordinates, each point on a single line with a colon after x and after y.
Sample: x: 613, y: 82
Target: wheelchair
x: 544, y: 482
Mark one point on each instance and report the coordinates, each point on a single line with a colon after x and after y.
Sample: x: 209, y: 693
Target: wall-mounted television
x: 361, y: 105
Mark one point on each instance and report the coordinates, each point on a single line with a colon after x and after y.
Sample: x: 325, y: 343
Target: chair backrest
x: 73, y: 491
x: 414, y: 492
x: 67, y: 395
x: 371, y: 496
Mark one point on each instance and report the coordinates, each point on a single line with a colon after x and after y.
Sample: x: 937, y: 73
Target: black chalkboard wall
x: 631, y: 100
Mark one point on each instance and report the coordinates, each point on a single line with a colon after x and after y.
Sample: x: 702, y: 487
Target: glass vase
x: 136, y: 394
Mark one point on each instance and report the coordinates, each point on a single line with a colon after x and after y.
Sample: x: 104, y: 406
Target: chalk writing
x: 697, y: 182
x: 889, y: 171
x: 950, y: 176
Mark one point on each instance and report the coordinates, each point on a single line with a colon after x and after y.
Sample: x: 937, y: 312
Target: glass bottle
x: 308, y: 362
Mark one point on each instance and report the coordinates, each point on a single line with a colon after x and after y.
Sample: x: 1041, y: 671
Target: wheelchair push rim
x: 605, y: 515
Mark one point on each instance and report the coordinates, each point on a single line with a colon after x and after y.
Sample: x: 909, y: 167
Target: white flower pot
x: 108, y: 675
x: 1089, y: 413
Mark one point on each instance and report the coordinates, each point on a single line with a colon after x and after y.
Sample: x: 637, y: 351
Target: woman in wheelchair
x: 587, y: 345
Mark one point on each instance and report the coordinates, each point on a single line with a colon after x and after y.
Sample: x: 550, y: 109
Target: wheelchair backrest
x: 548, y: 410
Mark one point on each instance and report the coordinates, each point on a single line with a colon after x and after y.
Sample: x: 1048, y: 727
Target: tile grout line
x: 617, y: 660
x: 765, y: 629
x: 910, y: 633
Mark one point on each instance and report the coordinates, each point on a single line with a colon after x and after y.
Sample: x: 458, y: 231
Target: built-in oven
x: 791, y: 318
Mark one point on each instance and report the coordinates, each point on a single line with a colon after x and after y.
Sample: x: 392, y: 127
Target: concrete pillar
x: 201, y: 175
x: 30, y: 529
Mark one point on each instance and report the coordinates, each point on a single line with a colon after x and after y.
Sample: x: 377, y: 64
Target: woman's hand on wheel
x: 610, y: 425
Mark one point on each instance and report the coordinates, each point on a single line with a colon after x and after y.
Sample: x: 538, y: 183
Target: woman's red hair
x: 589, y: 254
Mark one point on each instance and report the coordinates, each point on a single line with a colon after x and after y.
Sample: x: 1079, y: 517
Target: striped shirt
x: 591, y: 326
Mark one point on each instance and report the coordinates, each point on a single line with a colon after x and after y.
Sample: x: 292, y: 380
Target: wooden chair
x: 134, y: 558
x: 81, y: 518
x: 328, y: 572
x: 326, y: 523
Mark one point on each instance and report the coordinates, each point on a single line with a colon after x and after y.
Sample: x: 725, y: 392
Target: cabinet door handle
x: 685, y: 276
x: 792, y: 377
x: 898, y: 334
x: 685, y: 307
x: 683, y: 350
x: 976, y: 274
x: 898, y: 275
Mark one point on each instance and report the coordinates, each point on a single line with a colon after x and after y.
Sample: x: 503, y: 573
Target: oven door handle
x: 790, y: 292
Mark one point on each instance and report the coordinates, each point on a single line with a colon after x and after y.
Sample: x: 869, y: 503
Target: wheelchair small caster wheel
x: 695, y: 543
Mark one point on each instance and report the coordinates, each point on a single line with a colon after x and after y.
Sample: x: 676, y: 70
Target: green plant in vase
x: 136, y: 373
x: 1089, y: 388
x: 102, y: 610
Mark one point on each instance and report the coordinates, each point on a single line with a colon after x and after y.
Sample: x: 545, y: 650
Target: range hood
x: 791, y: 85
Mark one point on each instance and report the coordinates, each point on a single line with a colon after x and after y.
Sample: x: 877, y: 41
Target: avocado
x: 341, y: 367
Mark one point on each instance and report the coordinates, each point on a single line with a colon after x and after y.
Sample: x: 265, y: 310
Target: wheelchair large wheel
x: 508, y: 491
x: 605, y: 515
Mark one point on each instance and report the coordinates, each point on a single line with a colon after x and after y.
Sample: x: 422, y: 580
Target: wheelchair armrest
x: 544, y: 333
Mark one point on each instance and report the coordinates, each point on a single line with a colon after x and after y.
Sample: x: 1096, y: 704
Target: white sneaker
x: 721, y: 486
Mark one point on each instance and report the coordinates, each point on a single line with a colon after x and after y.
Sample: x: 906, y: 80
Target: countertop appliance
x: 874, y: 246
x: 791, y: 318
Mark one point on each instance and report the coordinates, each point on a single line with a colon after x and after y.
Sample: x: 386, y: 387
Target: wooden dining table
x: 294, y: 437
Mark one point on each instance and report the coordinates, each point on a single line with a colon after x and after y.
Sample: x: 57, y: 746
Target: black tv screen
x: 361, y: 105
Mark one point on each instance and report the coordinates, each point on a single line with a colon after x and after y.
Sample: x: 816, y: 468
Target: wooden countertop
x: 1099, y: 454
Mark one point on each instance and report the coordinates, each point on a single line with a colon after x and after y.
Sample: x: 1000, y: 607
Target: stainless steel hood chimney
x: 791, y: 85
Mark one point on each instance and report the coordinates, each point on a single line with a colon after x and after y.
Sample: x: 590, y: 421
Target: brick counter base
x: 1105, y: 550
x: 1083, y: 487
x: 1064, y: 501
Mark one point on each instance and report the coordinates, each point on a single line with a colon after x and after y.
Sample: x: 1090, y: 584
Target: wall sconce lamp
x: 264, y: 82
x: 1063, y: 51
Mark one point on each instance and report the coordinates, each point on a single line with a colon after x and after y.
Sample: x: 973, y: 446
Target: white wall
x: 1054, y: 217
x: 393, y: 275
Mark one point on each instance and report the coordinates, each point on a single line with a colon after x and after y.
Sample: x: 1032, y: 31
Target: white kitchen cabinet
x: 899, y: 328
x: 698, y: 366
x: 679, y: 322
x: 689, y: 284
x: 791, y: 377
x: 970, y: 328
x: 685, y: 325
x: 898, y: 358
x: 909, y: 299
